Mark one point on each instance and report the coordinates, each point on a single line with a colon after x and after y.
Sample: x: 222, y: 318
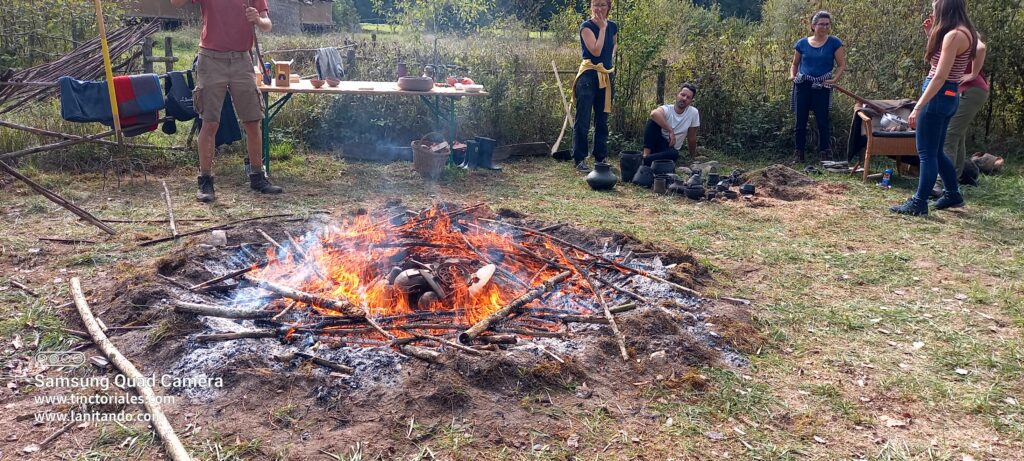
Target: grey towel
x: 328, y: 64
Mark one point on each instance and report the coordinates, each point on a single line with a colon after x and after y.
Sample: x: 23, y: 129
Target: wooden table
x: 432, y: 99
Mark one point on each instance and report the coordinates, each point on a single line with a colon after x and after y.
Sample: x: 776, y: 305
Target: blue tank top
x: 609, y: 43
x: 815, y: 62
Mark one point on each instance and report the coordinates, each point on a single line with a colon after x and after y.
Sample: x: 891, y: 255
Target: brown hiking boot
x: 206, y: 193
x: 259, y: 182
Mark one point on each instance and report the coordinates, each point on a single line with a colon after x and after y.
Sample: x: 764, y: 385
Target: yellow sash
x: 603, y: 81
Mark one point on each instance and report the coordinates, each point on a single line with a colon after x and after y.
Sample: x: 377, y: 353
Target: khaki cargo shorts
x: 220, y: 72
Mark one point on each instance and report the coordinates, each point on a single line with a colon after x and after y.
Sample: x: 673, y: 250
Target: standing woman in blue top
x: 592, y: 89
x: 812, y: 74
x: 952, y: 45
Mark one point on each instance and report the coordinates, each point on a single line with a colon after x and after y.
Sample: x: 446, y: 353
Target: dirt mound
x: 781, y: 182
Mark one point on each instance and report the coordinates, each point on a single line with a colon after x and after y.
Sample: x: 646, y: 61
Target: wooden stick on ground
x: 66, y: 241
x: 210, y: 228
x: 175, y: 450
x: 53, y: 197
x: 229, y: 275
x: 20, y: 286
x: 170, y: 209
x: 607, y: 313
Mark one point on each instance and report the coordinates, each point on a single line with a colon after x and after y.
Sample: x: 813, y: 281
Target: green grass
x: 843, y: 291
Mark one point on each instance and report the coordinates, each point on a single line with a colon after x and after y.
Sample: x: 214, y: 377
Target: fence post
x: 169, y: 53
x: 350, y: 59
x: 147, y: 55
x: 661, y: 82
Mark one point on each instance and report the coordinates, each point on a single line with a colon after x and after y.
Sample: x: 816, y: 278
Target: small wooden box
x: 282, y: 73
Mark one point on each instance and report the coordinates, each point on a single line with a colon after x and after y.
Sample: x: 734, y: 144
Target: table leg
x: 265, y: 132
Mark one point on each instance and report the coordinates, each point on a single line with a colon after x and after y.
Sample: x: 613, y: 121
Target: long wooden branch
x: 53, y: 197
x: 175, y: 450
x: 588, y: 252
x: 170, y: 210
x: 57, y: 134
x: 57, y: 145
x: 218, y: 311
x: 210, y: 228
x: 607, y: 313
x: 467, y: 336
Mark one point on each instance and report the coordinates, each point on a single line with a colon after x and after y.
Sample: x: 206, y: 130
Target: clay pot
x: 722, y: 185
x: 663, y: 167
x: 695, y: 192
x: 317, y: 83
x: 644, y: 176
x: 602, y: 178
x: 713, y: 179
x: 747, y: 189
x: 660, y: 185
x: 333, y: 82
x: 731, y: 194
x: 415, y: 83
x: 629, y: 161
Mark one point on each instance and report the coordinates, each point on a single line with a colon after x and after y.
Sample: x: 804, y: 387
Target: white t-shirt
x: 680, y: 123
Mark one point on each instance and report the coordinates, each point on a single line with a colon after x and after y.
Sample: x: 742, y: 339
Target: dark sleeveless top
x: 609, y: 43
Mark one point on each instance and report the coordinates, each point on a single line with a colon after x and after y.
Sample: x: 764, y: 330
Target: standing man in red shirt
x: 224, y: 66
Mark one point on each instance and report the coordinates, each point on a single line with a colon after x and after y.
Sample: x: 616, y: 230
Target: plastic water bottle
x: 886, y: 179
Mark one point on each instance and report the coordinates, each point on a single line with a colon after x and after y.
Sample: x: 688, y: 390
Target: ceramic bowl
x: 317, y: 83
x: 333, y: 82
x: 415, y: 83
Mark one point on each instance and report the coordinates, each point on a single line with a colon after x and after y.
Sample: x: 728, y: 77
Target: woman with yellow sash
x: 592, y: 89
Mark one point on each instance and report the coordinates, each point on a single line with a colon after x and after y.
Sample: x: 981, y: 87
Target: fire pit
x: 374, y: 290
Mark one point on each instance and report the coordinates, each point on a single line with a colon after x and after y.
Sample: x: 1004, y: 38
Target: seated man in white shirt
x: 669, y: 125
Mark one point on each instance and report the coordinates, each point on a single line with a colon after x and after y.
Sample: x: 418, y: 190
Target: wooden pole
x: 53, y: 197
x: 57, y: 145
x: 108, y: 70
x: 170, y: 209
x: 568, y: 110
x: 175, y: 450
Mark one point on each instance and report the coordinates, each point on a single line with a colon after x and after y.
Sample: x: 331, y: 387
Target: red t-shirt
x: 225, y: 27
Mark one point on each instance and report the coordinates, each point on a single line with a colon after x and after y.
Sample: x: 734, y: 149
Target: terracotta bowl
x: 333, y: 83
x: 317, y: 83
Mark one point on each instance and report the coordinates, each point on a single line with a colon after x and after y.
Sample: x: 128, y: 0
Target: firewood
x: 218, y: 311
x: 467, y: 336
x: 175, y: 450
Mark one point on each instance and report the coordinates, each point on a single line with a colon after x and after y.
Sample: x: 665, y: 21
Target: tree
x: 437, y: 15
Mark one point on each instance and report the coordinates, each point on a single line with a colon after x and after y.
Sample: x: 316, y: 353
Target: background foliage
x: 738, y: 61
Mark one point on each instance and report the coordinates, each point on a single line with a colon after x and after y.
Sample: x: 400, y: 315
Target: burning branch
x: 467, y: 336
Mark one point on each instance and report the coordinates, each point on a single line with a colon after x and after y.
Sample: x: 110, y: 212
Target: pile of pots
x: 661, y: 177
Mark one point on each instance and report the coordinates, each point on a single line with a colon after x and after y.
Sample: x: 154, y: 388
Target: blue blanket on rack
x: 89, y: 101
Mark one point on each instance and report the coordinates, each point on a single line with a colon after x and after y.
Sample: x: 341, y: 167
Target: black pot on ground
x: 644, y: 176
x: 663, y: 167
x: 660, y: 185
x: 747, y: 189
x: 629, y: 161
x: 695, y: 192
x: 485, y: 146
x: 602, y: 178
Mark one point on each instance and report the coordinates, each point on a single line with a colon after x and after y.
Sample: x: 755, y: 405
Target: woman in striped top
x: 952, y: 44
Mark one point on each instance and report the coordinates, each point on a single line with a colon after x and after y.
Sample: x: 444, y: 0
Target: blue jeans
x: 809, y: 99
x: 590, y: 103
x: 932, y: 123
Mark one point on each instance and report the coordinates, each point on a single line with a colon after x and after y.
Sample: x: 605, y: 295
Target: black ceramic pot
x: 731, y: 194
x: 713, y: 179
x: 695, y: 192
x: 747, y: 189
x: 629, y: 161
x: 644, y: 176
x: 663, y: 167
x: 660, y: 184
x: 602, y: 178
